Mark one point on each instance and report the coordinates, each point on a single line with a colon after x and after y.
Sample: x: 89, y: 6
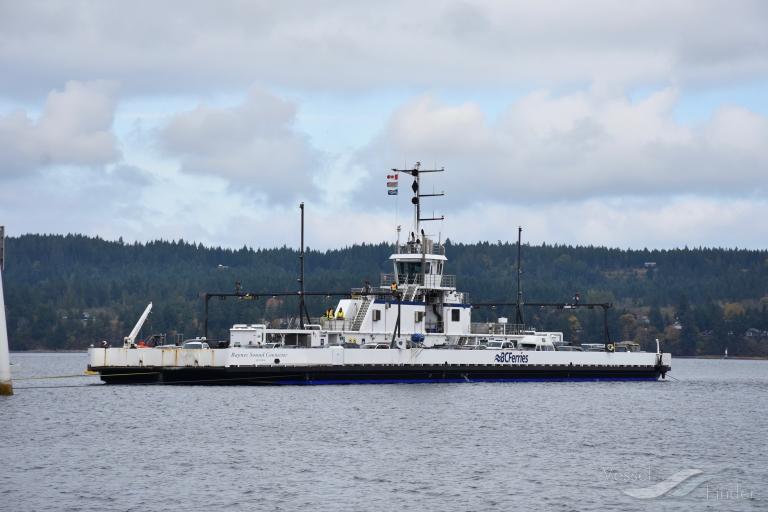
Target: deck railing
x: 432, y: 281
x: 416, y: 248
x: 497, y: 328
x: 336, y: 324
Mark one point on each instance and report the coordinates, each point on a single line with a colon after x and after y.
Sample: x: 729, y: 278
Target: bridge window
x: 409, y: 268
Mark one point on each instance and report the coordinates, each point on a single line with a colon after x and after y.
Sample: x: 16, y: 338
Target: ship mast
x: 416, y: 172
x: 519, y: 310
x: 302, y: 305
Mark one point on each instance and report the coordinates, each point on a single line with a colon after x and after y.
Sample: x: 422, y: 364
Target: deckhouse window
x: 408, y: 268
x: 455, y: 315
x: 376, y: 315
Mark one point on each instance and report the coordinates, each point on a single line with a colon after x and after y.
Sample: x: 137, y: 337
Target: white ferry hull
x: 337, y: 365
x: 414, y: 327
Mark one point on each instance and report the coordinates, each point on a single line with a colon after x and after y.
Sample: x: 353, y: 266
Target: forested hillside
x: 70, y: 291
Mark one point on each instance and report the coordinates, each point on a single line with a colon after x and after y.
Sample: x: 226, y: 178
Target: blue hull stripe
x: 336, y: 376
x: 322, y: 382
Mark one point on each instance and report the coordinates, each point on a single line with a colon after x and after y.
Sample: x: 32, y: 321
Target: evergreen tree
x: 689, y: 333
x: 656, y: 319
x: 52, y: 281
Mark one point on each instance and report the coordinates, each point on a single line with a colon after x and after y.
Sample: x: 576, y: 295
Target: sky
x: 629, y: 125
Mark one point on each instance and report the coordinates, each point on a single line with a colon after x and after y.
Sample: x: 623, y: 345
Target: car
x: 500, y: 345
x: 470, y: 343
x: 569, y: 348
x: 195, y: 345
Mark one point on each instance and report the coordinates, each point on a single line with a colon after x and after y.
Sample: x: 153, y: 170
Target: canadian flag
x: 391, y: 176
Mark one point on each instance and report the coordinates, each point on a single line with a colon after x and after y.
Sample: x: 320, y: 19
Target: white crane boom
x: 131, y: 338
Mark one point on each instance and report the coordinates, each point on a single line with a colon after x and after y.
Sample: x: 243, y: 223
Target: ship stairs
x: 357, y: 322
x: 410, y: 293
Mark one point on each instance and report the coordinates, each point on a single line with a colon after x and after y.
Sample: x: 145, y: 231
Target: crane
x: 130, y: 340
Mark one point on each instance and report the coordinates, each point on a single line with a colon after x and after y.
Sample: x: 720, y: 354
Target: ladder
x: 362, y: 312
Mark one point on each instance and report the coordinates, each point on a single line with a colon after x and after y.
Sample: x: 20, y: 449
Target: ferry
x: 414, y: 327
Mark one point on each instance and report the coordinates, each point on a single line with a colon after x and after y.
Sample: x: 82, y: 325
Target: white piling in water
x: 6, y: 388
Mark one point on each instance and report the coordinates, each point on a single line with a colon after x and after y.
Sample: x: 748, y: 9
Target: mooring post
x: 6, y: 387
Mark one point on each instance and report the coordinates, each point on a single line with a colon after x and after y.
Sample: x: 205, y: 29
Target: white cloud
x: 198, y: 46
x: 76, y: 200
x: 624, y: 222
x: 583, y: 145
x: 75, y: 128
x: 253, y: 146
x: 587, y: 167
x: 619, y: 171
x: 620, y: 222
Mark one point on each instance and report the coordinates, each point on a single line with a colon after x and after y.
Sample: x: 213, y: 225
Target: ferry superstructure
x: 415, y: 326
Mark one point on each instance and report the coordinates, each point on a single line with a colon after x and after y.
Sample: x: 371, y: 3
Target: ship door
x: 337, y: 355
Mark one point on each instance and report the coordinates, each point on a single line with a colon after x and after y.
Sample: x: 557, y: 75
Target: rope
x: 85, y: 374
x: 58, y: 376
x: 196, y: 381
x: 64, y: 386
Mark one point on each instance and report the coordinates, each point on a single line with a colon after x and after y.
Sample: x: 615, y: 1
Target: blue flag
x: 392, y: 192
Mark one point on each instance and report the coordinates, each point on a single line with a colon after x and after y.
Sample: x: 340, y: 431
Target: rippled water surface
x: 488, y: 446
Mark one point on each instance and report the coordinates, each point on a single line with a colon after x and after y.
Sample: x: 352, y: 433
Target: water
x: 485, y: 446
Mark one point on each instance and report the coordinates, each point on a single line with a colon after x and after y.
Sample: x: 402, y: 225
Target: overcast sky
x: 636, y: 125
